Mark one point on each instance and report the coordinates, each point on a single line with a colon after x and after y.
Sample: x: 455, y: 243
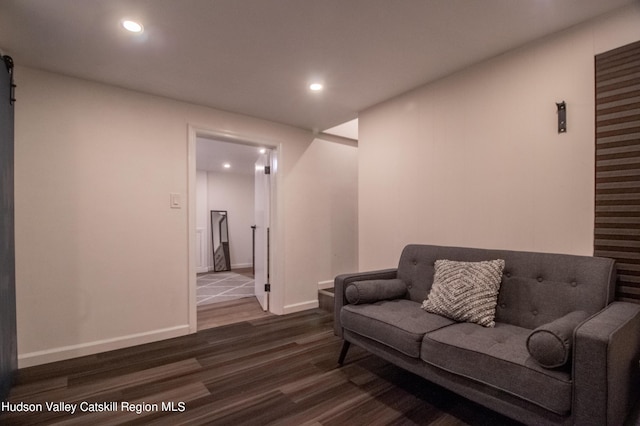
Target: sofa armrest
x: 606, y: 372
x: 340, y: 285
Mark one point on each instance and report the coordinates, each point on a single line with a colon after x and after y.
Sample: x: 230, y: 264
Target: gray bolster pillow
x: 551, y: 344
x: 371, y: 291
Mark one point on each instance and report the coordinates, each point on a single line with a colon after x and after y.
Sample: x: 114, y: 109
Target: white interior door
x: 262, y: 192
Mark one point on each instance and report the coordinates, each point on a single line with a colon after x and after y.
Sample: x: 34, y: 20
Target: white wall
x: 325, y: 219
x: 203, y: 231
x: 234, y: 192
x: 101, y: 258
x: 475, y: 159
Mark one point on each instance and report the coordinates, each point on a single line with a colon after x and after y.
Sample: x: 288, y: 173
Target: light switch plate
x: 175, y: 202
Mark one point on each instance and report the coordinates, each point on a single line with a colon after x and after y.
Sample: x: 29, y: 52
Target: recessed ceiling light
x: 132, y: 26
x: 226, y: 165
x: 315, y: 87
x: 263, y: 151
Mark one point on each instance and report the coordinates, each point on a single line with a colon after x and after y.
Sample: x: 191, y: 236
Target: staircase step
x: 326, y: 299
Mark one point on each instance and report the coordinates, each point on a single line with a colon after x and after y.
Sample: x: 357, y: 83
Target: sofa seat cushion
x: 400, y: 324
x: 498, y: 357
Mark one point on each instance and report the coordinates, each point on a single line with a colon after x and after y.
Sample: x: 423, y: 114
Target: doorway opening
x: 230, y: 187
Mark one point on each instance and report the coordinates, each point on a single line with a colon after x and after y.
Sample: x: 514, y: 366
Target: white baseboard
x: 325, y: 284
x: 200, y: 270
x: 73, y: 351
x: 302, y: 306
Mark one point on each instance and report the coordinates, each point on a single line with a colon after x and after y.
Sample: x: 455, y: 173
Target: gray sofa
x: 492, y: 365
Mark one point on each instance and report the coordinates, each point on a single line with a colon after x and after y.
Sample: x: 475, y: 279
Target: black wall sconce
x: 562, y: 117
x: 8, y: 61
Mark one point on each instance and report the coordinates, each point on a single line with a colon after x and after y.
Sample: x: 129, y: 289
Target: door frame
x: 262, y: 225
x: 276, y: 260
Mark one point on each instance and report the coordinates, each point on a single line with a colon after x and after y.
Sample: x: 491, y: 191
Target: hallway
x: 216, y: 287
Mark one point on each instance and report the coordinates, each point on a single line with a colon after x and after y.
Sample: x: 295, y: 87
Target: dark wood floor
x: 272, y: 370
x: 229, y: 312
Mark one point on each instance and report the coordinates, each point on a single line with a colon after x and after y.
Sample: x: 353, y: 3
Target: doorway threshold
x: 230, y: 312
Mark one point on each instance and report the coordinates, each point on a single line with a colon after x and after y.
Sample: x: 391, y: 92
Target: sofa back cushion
x: 536, y: 288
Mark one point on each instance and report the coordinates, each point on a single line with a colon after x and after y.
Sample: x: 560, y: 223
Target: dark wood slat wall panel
x: 8, y: 339
x: 617, y: 192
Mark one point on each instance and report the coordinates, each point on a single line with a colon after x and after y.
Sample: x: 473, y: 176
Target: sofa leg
x: 343, y: 352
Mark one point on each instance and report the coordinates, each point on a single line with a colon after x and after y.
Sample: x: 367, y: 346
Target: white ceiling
x: 212, y: 154
x: 257, y: 57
